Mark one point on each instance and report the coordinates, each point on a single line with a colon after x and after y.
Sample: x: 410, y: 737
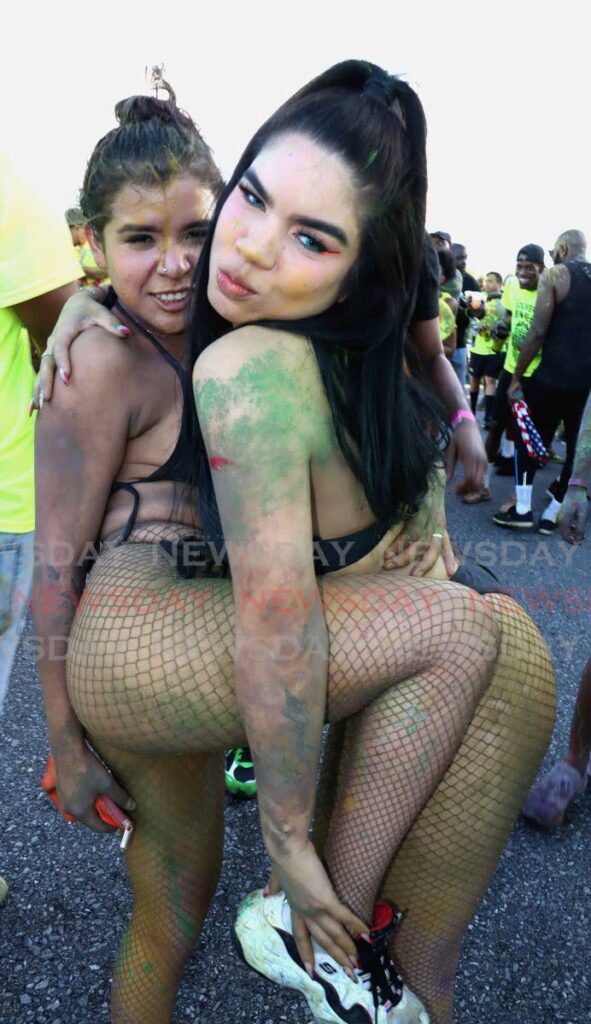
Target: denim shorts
x: 16, y: 575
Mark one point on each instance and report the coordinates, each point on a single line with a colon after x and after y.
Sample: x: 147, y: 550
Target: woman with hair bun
x: 311, y: 449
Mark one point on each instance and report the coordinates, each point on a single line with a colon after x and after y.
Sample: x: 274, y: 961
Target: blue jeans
x: 16, y: 575
x: 459, y: 361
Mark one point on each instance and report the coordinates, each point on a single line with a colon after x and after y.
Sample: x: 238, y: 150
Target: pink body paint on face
x: 218, y: 462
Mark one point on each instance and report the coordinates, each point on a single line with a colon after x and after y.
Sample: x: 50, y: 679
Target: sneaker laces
x: 376, y: 971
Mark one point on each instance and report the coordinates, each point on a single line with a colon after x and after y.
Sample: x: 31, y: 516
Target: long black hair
x: 387, y: 426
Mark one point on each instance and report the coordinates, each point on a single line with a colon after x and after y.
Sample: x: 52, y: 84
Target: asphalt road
x: 526, y: 957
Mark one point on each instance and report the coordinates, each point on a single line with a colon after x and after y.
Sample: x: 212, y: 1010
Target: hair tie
x: 377, y: 87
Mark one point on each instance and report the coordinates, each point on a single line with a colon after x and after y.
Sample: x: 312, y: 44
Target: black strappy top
x: 178, y: 465
x: 329, y: 555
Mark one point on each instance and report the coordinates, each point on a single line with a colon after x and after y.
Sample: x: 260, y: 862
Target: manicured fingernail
x: 124, y: 331
x: 31, y: 406
x: 65, y: 376
x: 366, y: 937
x: 41, y: 400
x: 309, y: 969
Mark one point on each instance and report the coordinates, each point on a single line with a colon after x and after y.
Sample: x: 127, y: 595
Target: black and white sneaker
x: 514, y: 520
x: 547, y: 527
x: 264, y: 940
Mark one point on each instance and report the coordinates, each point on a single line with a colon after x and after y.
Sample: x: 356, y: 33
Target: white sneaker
x: 264, y: 940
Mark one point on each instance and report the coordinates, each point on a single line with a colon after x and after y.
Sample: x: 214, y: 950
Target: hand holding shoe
x: 316, y: 910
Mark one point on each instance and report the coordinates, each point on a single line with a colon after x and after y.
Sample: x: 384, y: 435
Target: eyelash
x: 248, y: 195
x: 139, y: 239
x: 317, y: 246
x: 195, y: 236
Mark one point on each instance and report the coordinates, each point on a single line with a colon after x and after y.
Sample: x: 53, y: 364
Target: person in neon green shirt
x: 519, y: 297
x: 447, y: 324
x: 448, y: 303
x: 521, y: 302
x: 93, y: 274
x: 38, y: 272
x: 485, y: 359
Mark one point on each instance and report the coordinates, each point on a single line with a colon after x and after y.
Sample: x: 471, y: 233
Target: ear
x: 96, y: 247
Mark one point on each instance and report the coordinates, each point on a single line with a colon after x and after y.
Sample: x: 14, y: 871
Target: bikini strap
x: 170, y: 359
x: 119, y: 486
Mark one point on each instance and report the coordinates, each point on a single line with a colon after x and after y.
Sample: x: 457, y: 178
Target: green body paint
x: 262, y: 424
x: 187, y: 926
x: 297, y: 713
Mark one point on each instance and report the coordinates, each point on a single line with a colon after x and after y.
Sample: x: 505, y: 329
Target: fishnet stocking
x: 174, y: 862
x: 397, y: 749
x: 445, y: 863
x: 150, y: 659
x: 150, y: 673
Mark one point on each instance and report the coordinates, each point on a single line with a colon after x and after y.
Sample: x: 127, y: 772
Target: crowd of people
x: 291, y: 366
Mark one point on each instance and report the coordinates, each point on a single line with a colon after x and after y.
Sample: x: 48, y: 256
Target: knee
x: 170, y: 912
x: 474, y: 626
x: 523, y: 688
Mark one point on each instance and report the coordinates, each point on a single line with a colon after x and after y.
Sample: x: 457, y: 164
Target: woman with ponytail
x: 310, y: 450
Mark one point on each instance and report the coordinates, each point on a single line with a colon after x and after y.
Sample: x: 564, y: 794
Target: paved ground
x: 526, y: 955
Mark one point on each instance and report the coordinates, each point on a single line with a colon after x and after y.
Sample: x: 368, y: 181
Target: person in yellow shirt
x: 447, y: 324
x: 519, y: 299
x: 448, y: 305
x: 38, y: 272
x: 486, y: 360
x: 93, y: 274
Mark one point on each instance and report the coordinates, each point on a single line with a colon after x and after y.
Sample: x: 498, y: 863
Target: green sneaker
x: 240, y: 780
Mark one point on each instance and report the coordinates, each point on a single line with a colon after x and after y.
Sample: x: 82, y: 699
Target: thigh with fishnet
x: 441, y: 871
x: 150, y: 660
x: 445, y: 863
x: 149, y: 664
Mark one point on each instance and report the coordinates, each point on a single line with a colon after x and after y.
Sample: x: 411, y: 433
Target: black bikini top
x: 329, y: 555
x: 179, y: 464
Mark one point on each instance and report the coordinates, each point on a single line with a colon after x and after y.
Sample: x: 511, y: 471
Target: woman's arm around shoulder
x: 79, y: 446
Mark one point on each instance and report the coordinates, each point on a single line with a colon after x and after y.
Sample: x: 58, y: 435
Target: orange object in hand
x: 107, y: 810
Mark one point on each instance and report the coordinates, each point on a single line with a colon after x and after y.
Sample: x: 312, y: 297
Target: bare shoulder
x: 104, y: 376
x: 554, y: 277
x: 265, y: 383
x: 256, y: 353
x: 96, y: 349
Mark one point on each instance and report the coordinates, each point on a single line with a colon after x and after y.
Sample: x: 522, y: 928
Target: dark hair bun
x: 136, y: 109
